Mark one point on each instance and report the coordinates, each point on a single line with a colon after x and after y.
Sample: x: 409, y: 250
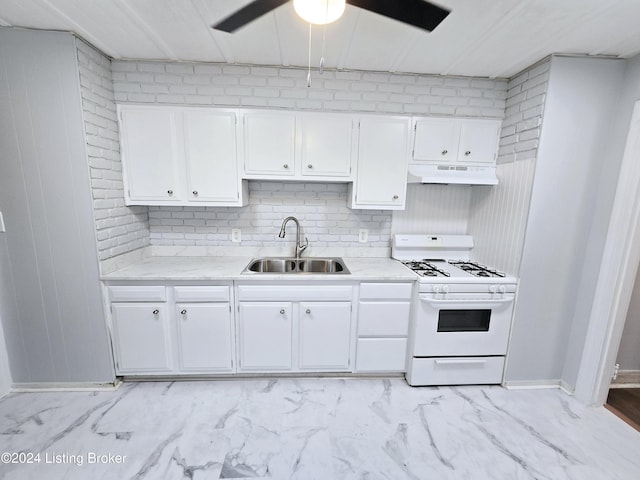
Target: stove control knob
x: 445, y: 289
x: 493, y: 289
x: 502, y: 289
x: 436, y: 288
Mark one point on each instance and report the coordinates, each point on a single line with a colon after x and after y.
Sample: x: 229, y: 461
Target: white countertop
x: 210, y: 268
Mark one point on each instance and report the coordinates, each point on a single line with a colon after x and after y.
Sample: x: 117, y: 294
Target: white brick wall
x: 252, y: 86
x: 120, y: 229
x: 321, y: 208
x: 526, y: 95
x: 498, y: 216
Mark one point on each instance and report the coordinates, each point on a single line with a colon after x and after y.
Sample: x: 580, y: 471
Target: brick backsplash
x: 320, y: 207
x: 119, y: 229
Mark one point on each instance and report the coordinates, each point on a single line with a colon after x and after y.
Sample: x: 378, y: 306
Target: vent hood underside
x: 456, y: 174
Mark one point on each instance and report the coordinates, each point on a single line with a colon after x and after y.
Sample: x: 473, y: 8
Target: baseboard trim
x: 66, y: 387
x: 626, y: 378
x: 538, y: 385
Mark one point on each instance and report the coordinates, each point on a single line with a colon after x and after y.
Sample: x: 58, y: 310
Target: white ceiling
x: 487, y: 38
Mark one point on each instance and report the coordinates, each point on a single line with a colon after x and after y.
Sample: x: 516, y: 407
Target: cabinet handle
x: 195, y: 193
x: 444, y: 152
x: 467, y: 153
x: 156, y: 311
x: 170, y: 192
x: 285, y: 165
x: 183, y: 312
x: 309, y: 166
x: 308, y: 311
x: 395, y: 197
x: 282, y: 311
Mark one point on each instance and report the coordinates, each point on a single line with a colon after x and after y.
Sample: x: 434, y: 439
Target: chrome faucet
x: 299, y: 245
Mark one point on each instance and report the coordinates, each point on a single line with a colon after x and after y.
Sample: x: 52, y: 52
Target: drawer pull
x: 308, y: 311
x: 282, y: 311
x: 183, y: 312
x: 460, y: 361
x: 156, y: 311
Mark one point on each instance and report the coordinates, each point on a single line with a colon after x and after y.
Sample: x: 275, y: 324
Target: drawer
x: 455, y: 370
x: 201, y: 294
x: 294, y: 293
x: 381, y: 355
x: 138, y: 293
x: 383, y: 319
x: 385, y: 291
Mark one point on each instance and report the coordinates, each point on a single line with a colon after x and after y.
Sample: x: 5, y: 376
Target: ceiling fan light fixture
x: 319, y: 12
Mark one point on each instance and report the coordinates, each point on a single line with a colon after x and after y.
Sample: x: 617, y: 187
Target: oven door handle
x: 433, y: 301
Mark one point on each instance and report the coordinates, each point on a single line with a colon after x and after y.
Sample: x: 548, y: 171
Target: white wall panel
x: 57, y: 332
x: 441, y: 209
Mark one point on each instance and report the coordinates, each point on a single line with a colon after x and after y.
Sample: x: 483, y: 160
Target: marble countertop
x: 230, y: 268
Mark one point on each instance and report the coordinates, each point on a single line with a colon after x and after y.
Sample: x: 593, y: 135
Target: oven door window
x: 464, y: 320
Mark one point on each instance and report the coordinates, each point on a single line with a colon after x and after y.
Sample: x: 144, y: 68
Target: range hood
x: 455, y: 174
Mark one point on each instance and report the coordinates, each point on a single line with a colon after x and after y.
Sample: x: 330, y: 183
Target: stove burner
x: 425, y: 269
x: 476, y: 269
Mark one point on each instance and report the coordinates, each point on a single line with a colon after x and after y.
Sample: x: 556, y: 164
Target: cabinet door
x: 325, y: 335
x: 150, y: 155
x: 141, y: 338
x: 326, y: 142
x: 269, y: 144
x: 265, y: 335
x: 210, y: 156
x: 436, y: 139
x: 479, y: 141
x: 204, y: 337
x: 381, y: 179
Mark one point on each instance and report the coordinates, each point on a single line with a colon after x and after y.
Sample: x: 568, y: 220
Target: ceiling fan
x: 419, y: 13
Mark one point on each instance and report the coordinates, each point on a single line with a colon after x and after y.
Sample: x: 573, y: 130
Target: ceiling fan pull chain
x: 309, y: 72
x: 324, y: 36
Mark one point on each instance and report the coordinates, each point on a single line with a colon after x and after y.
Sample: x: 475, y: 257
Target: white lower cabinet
x: 205, y: 337
x: 142, y: 339
x: 163, y: 330
x: 383, y: 327
x: 300, y: 328
x: 265, y: 335
x: 325, y: 335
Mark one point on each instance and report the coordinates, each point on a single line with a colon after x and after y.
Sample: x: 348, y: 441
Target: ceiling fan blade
x: 247, y: 14
x: 418, y: 13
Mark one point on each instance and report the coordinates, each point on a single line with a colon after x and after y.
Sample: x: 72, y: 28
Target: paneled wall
x: 320, y: 207
x: 498, y: 214
x: 55, y: 328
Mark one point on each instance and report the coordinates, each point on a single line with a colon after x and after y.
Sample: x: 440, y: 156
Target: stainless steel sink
x: 297, y: 265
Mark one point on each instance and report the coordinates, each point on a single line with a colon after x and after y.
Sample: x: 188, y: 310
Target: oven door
x: 462, y: 324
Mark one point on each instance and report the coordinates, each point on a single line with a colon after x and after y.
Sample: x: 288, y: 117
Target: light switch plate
x: 236, y: 235
x: 2, y: 229
x: 363, y: 237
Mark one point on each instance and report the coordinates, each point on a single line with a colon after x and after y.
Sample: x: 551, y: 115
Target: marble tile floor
x: 312, y: 428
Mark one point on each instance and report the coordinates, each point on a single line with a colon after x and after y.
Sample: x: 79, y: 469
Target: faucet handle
x: 304, y: 245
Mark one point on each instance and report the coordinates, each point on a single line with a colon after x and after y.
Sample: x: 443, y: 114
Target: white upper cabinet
x: 210, y: 156
x: 326, y: 145
x: 381, y: 177
x: 306, y: 146
x: 180, y: 156
x: 269, y: 143
x: 456, y: 140
x: 149, y: 153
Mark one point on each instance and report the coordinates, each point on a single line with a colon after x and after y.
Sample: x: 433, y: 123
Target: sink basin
x: 297, y: 265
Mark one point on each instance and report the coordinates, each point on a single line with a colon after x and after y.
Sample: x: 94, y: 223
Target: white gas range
x: 461, y: 312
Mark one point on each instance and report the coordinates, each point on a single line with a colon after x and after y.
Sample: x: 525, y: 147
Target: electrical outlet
x: 236, y: 235
x: 363, y: 237
x: 2, y: 229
